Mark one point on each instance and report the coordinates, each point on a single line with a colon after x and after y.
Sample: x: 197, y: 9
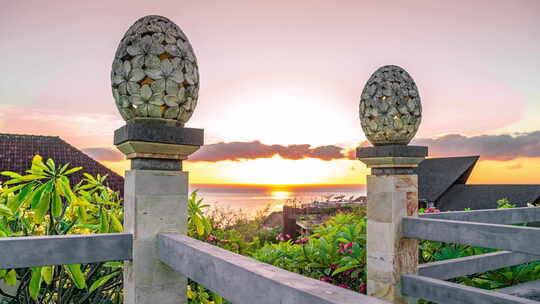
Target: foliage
x: 43, y: 202
x: 335, y: 253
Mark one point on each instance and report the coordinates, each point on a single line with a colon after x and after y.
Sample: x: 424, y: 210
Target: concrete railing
x: 22, y: 252
x: 480, y: 228
x: 240, y: 279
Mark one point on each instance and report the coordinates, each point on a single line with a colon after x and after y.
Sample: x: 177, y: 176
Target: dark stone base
x: 157, y: 133
x: 392, y: 171
x: 156, y: 164
x: 392, y: 151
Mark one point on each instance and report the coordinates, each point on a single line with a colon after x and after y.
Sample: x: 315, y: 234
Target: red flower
x: 326, y: 279
x: 343, y: 286
x: 212, y: 238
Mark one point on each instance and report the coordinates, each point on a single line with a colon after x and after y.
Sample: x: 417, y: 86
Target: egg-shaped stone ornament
x: 154, y: 73
x: 390, y: 108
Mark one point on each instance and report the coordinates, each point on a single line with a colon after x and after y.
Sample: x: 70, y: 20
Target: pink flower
x: 211, y: 238
x: 302, y: 240
x: 349, y: 271
x: 326, y: 279
x: 343, y: 286
x: 362, y: 287
x: 281, y: 237
x: 432, y: 210
x: 334, y: 267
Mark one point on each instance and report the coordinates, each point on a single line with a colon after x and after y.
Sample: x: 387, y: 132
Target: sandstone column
x: 392, y: 190
x: 156, y: 194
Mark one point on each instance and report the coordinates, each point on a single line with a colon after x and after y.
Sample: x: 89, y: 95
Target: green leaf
x: 100, y: 282
x: 217, y: 298
x: 11, y: 174
x: 35, y: 283
x: 76, y: 275
x: 113, y: 264
x: 43, y: 207
x: 47, y: 274
x: 51, y: 165
x: 103, y: 222
x: 116, y: 224
x: 13, y: 189
x: 198, y: 225
x: 20, y: 198
x: 57, y: 206
x: 5, y: 211
x: 73, y: 170
x: 37, y: 196
x: 341, y: 269
x: 11, y: 278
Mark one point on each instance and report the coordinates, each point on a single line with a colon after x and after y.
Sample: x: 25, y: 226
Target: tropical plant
x: 335, y: 253
x: 43, y: 202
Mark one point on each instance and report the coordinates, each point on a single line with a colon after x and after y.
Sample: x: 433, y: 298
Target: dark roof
x: 437, y: 175
x: 17, y: 151
x: 475, y: 197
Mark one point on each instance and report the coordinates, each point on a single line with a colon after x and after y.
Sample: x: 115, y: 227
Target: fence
x: 482, y: 228
x: 244, y: 280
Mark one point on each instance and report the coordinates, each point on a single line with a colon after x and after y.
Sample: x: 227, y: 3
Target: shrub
x: 335, y: 253
x: 43, y: 202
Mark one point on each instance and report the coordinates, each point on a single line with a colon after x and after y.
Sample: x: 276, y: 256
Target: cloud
x: 514, y: 167
x: 489, y: 147
x: 492, y: 147
x: 255, y: 149
x: 104, y: 154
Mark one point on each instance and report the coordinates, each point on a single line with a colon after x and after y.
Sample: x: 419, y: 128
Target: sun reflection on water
x: 280, y: 195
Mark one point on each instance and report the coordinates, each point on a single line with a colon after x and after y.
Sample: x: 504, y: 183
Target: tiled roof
x: 17, y: 151
x: 475, y: 197
x: 437, y: 175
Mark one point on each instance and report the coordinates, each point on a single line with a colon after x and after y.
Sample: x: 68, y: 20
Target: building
x: 17, y: 151
x: 443, y: 184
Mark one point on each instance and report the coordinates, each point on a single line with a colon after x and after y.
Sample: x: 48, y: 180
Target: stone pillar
x: 392, y: 190
x: 156, y: 194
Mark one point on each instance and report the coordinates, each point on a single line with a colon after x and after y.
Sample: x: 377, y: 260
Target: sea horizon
x: 252, y: 198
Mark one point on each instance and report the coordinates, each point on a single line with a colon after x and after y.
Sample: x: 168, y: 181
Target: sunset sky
x: 281, y: 81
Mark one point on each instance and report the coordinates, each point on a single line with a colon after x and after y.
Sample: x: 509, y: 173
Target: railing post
x: 155, y: 85
x: 392, y: 191
x: 390, y: 114
x: 156, y: 194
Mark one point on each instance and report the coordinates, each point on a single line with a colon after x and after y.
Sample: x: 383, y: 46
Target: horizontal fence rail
x: 493, y: 216
x: 449, y: 293
x: 32, y: 251
x: 449, y: 269
x: 241, y: 279
x: 529, y: 290
x: 503, y: 237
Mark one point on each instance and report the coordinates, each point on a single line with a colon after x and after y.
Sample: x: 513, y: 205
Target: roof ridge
x: 27, y: 135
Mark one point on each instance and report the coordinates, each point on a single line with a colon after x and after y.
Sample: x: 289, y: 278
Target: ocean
x: 250, y: 199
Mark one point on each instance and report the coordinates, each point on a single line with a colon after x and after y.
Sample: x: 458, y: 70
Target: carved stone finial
x: 154, y: 75
x: 390, y: 108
